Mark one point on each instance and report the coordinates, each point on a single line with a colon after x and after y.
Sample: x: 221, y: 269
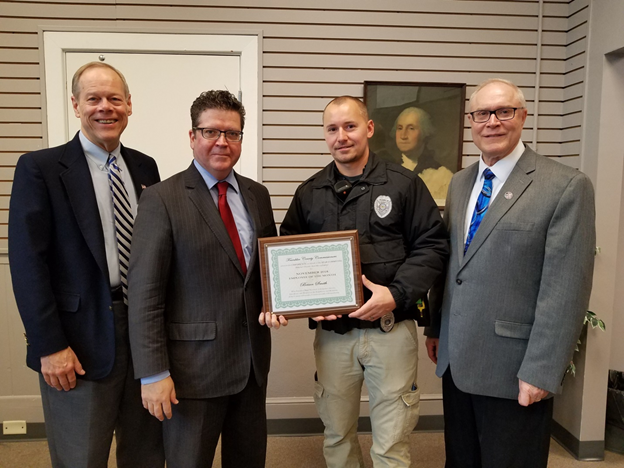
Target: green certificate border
x: 348, y: 298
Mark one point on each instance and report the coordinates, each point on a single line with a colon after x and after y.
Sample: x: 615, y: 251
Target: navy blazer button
x: 458, y: 281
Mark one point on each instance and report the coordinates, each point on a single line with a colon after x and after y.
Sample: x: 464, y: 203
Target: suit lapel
x: 79, y: 186
x: 136, y: 172
x: 199, y: 194
x: 458, y: 218
x: 252, y: 209
x: 516, y: 184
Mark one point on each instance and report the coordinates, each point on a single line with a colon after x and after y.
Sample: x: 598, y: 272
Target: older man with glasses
x: 517, y: 288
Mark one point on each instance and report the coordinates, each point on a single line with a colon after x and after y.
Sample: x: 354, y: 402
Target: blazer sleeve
x: 30, y: 225
x: 436, y: 294
x: 426, y: 245
x: 564, y: 288
x: 148, y: 276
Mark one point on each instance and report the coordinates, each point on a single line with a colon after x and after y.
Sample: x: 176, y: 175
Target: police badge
x: 387, y: 322
x: 383, y: 206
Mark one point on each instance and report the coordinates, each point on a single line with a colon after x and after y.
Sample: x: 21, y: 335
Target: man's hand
x: 530, y: 394
x: 272, y: 320
x: 157, y: 398
x: 59, y: 369
x: 432, y: 345
x: 320, y: 318
x: 378, y: 305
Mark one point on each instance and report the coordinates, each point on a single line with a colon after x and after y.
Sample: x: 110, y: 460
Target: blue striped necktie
x: 483, y: 202
x: 123, y: 221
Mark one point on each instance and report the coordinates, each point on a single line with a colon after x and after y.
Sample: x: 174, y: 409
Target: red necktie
x: 230, y: 225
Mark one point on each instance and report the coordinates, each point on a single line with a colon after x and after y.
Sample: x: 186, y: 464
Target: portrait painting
x: 419, y: 126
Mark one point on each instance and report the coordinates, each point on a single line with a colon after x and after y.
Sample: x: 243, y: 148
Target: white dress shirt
x: 501, y: 169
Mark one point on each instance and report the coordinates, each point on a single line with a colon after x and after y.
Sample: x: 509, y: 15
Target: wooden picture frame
x: 311, y: 275
x: 419, y: 126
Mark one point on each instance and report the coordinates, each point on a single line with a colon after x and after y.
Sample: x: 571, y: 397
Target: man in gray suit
x: 195, y: 295
x: 517, y: 288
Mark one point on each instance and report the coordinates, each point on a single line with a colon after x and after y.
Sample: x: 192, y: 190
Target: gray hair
x: 424, y: 121
x: 87, y: 66
x: 519, y: 95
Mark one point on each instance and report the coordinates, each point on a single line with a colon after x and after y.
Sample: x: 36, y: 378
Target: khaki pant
x: 388, y: 363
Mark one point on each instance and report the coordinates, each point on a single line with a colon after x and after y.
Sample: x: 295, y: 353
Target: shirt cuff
x: 155, y: 378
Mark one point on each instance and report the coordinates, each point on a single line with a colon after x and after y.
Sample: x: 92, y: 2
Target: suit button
x: 244, y: 323
x: 110, y: 307
x: 458, y: 281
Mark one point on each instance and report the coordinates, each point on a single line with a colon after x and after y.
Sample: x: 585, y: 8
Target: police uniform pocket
x: 410, y: 412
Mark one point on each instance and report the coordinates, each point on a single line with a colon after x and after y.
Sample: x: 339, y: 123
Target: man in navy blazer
x: 65, y: 267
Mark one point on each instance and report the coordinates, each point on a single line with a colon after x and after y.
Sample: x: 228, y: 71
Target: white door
x: 162, y: 87
x: 165, y: 73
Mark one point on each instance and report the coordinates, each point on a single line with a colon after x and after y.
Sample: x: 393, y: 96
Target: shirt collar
x: 211, y: 180
x: 503, y: 167
x: 97, y: 154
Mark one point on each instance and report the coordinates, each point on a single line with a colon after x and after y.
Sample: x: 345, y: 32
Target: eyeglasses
x: 215, y: 134
x: 506, y: 113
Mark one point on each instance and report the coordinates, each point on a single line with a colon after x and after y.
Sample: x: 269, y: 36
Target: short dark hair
x: 216, y: 99
x: 342, y: 99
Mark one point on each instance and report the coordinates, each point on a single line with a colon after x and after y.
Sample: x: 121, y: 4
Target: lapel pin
x: 508, y: 195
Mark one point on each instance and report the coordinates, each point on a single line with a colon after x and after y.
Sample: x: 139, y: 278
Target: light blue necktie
x: 483, y: 202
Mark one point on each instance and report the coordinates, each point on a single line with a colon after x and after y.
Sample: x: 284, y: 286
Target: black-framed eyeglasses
x: 215, y: 134
x: 502, y: 114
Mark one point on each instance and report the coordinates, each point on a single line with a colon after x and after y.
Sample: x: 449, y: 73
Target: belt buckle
x: 387, y: 322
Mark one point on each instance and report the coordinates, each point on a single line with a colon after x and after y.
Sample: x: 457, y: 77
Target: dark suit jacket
x: 57, y: 255
x: 514, y: 304
x: 191, y: 310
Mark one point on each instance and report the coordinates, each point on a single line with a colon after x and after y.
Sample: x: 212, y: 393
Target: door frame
x: 56, y: 42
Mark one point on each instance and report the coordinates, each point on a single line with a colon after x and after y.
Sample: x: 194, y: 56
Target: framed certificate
x: 311, y: 274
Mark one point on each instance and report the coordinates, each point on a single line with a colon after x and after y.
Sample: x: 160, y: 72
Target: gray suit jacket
x: 191, y: 310
x: 513, y: 306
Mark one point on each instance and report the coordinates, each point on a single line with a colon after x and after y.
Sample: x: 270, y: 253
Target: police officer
x: 403, y: 248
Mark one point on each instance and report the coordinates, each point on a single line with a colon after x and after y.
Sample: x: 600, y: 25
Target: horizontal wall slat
x: 493, y: 65
x: 409, y: 48
x: 32, y: 101
x: 15, y: 85
x: 19, y: 55
x: 359, y: 76
x: 18, y: 40
x: 295, y: 160
x: 523, y: 7
x: 22, y: 145
x: 10, y: 70
x: 44, y: 10
x: 20, y: 115
x: 20, y: 130
x: 331, y: 17
x: 9, y: 158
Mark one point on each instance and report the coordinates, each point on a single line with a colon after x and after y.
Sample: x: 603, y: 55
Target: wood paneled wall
x: 314, y: 51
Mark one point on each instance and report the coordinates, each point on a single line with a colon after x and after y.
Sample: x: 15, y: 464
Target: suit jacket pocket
x: 521, y: 331
x: 506, y: 226
x: 67, y: 302
x: 196, y: 331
